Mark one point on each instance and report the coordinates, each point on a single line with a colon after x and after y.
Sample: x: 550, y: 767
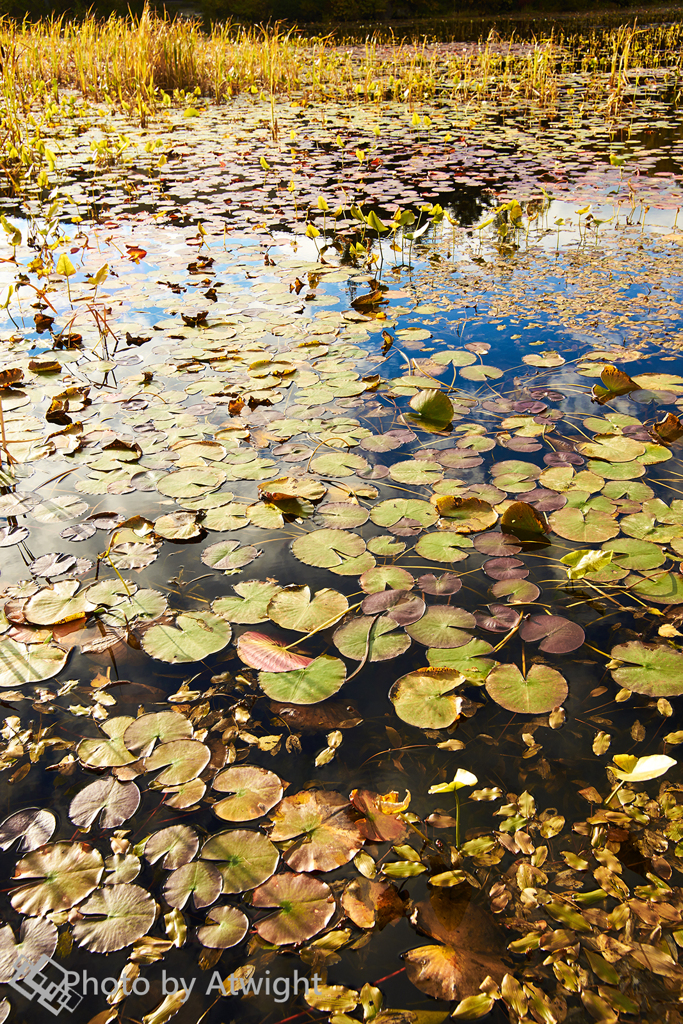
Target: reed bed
x: 141, y: 61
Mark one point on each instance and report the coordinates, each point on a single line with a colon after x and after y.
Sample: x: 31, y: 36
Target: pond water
x: 293, y: 478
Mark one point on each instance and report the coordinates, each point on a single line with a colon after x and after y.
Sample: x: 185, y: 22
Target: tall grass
x: 137, y: 60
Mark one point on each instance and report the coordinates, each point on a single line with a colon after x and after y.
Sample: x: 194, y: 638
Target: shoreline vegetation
x: 154, y: 59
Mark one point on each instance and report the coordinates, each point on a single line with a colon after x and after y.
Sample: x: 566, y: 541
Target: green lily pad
x: 293, y: 608
x: 662, y: 588
x: 425, y: 697
x: 584, y: 527
x: 304, y: 905
x: 192, y: 483
x: 542, y: 690
x: 469, y: 660
x: 432, y: 407
x: 194, y: 636
x: 339, y: 464
x: 653, y: 669
x: 444, y: 547
x: 612, y: 448
x: 635, y: 554
x: 371, y: 637
x: 382, y: 577
x: 225, y: 927
x: 244, y: 858
x: 309, y: 685
x: 388, y: 513
x: 229, y: 556
x: 342, y: 515
x: 442, y: 626
x: 251, y: 603
x: 29, y: 663
x: 416, y: 471
x: 342, y: 552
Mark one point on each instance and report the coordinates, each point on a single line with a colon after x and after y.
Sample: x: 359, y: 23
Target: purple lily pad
x: 506, y: 569
x: 520, y: 444
x: 497, y: 544
x: 557, y: 634
x: 448, y: 583
x: 502, y: 618
x: 563, y: 459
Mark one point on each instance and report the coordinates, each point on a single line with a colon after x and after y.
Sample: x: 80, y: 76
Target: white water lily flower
x: 461, y: 778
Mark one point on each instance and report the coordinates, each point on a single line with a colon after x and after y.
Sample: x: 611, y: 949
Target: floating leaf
x: 541, y: 690
x: 640, y: 769
x: 433, y: 407
x: 260, y: 651
x: 114, y: 917
x: 198, y: 879
x: 443, y: 547
x: 293, y: 608
x: 194, y: 636
x: 469, y: 660
x: 304, y: 906
x: 651, y: 669
x: 424, y: 697
x: 177, y: 844
x: 250, y: 604
x: 557, y: 634
x: 114, y: 802
x: 183, y: 760
x: 253, y: 792
x: 447, y: 973
x: 33, y: 825
x: 442, y: 626
x: 229, y: 556
x: 371, y: 638
x: 225, y: 927
x: 192, y: 483
x: 67, y: 873
x: 316, y: 681
x: 331, y: 837
x: 523, y: 521
x: 163, y: 726
x: 29, y: 663
x: 245, y: 859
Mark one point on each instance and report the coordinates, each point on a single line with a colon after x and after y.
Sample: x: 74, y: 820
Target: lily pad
x: 29, y: 663
x: 656, y: 670
x: 371, y: 638
x: 66, y: 873
x: 557, y: 634
x: 442, y: 626
x: 245, y: 859
x: 250, y: 603
x: 293, y: 608
x: 113, y: 802
x: 425, y: 697
x: 225, y: 927
x: 304, y: 906
x: 307, y: 685
x: 329, y: 834
x: 542, y: 690
x: 253, y: 792
x: 195, y: 635
x: 229, y: 556
x: 114, y: 917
